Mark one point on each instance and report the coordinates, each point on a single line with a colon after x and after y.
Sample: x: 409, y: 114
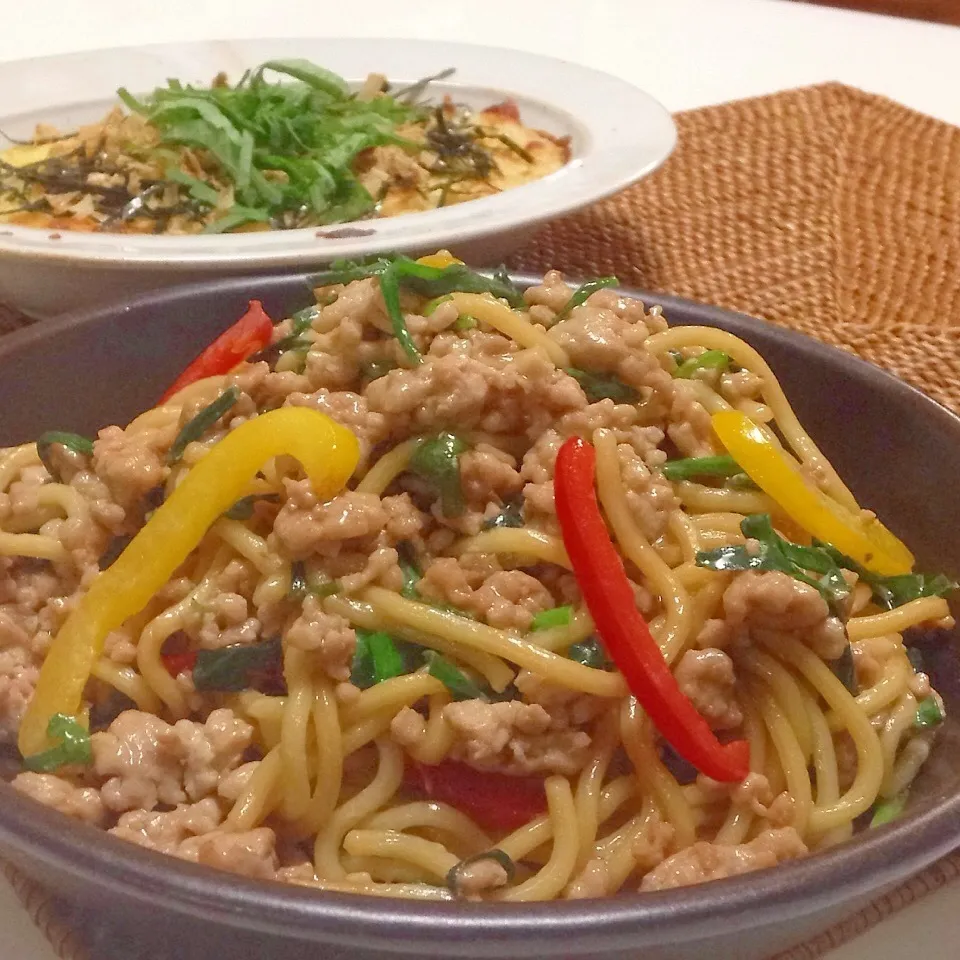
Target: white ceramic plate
x: 618, y: 134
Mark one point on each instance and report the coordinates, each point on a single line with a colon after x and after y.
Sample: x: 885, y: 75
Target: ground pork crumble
x: 301, y: 582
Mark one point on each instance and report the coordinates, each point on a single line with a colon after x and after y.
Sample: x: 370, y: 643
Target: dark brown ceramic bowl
x: 900, y: 452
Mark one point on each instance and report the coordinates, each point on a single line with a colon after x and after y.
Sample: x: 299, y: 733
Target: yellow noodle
x: 589, y: 784
x: 515, y: 325
x: 438, y: 816
x: 637, y: 739
x: 360, y: 614
x: 739, y: 819
x: 787, y: 692
x: 793, y: 762
x: 560, y: 638
x: 636, y: 548
x: 14, y: 461
x: 433, y: 857
x: 294, y: 730
x: 696, y: 496
x: 388, y: 468
x: 439, y: 737
x: 898, y: 725
x: 745, y: 356
x: 246, y: 543
x: 522, y: 541
x: 471, y: 634
x: 370, y: 799
x: 866, y: 785
x: 390, y: 695
x: 329, y: 746
x: 912, y: 614
x: 896, y: 676
x: 260, y: 796
x: 128, y: 682
x: 31, y: 545
x: 554, y: 876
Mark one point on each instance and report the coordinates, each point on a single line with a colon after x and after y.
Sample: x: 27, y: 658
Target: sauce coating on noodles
x: 393, y: 685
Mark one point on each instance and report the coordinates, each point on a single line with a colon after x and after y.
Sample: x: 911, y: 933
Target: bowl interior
x: 899, y: 451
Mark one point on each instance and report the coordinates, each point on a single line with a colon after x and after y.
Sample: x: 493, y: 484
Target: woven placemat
x: 826, y: 209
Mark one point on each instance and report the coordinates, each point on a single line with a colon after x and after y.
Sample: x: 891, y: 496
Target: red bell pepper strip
x: 495, y: 801
x: 623, y: 631
x: 177, y: 663
x: 250, y: 334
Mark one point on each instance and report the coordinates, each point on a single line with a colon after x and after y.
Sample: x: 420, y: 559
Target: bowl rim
x: 612, y: 156
x: 874, y: 860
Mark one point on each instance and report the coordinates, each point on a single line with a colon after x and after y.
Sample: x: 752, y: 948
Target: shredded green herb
x: 820, y: 565
x: 194, y: 429
x: 243, y: 508
x: 399, y: 271
x: 584, y: 291
x: 410, y: 571
x: 602, y: 386
x: 72, y: 441
x: 461, y: 687
x: 709, y: 360
x: 891, y: 592
x: 299, y: 587
x: 437, y: 461
x: 719, y: 466
x: 554, y: 617
x: 773, y: 552
x: 286, y: 148
x: 590, y: 653
x: 843, y: 668
x: 456, y: 871
x: 73, y: 746
x: 239, y: 667
x: 510, y: 516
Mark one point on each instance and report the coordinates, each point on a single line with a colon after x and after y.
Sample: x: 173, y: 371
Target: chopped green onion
x: 454, y: 679
x: 386, y: 658
x: 929, y: 713
x: 709, y: 360
x: 194, y: 429
x: 719, y: 466
x: 885, y: 811
x: 456, y: 871
x: 243, y: 508
x: 583, y: 292
x: 600, y: 386
x: 437, y: 461
x: 554, y: 617
x: 465, y: 322
x: 72, y: 441
x: 73, y: 748
x: 303, y: 319
x: 432, y: 305
x: 325, y: 588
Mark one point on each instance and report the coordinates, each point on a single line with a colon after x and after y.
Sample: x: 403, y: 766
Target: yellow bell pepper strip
x: 442, y: 258
x: 862, y: 537
x: 328, y: 453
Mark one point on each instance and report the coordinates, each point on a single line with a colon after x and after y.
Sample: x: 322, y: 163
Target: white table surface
x: 687, y: 53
